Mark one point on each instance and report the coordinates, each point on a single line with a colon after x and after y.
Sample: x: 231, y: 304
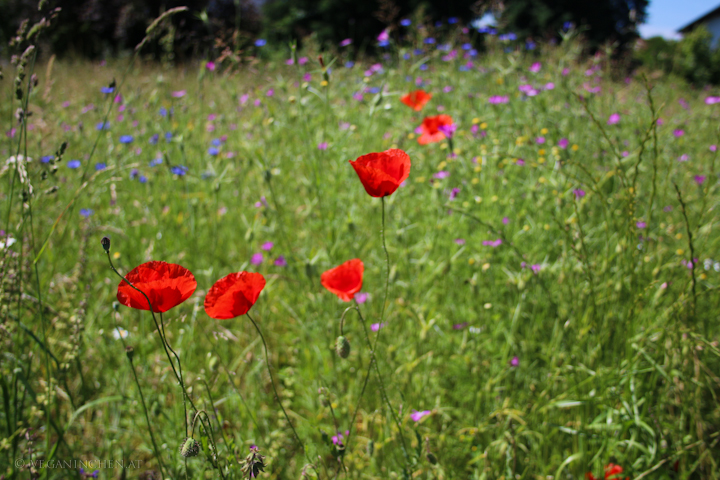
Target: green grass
x: 618, y: 352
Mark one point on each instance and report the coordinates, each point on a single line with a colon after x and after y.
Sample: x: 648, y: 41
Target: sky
x: 665, y: 17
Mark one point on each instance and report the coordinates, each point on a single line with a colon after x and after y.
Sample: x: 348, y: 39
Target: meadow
x: 540, y: 294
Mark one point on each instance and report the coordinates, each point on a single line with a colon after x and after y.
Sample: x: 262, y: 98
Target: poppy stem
x: 383, y: 392
x: 142, y: 400
x: 387, y: 273
x: 182, y: 380
x: 162, y: 339
x: 272, y: 382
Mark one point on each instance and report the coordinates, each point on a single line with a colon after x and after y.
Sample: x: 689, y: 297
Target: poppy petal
x: 345, y: 280
x: 382, y: 173
x: 233, y: 295
x: 167, y: 285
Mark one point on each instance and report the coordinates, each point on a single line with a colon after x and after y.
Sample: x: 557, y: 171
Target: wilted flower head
x: 254, y: 463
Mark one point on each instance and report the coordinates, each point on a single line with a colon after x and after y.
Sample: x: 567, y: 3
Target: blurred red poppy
x: 382, y: 173
x: 613, y: 471
x: 166, y: 285
x: 233, y: 295
x: 416, y: 100
x: 345, y: 280
x: 430, y: 129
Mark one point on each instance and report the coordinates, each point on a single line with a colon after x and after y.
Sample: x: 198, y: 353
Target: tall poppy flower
x: 416, y: 100
x: 345, y: 280
x: 233, y: 295
x: 167, y: 285
x: 431, y: 129
x: 382, y: 173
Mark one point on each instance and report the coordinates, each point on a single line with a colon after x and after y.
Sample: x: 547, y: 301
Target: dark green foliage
x: 605, y: 20
x: 657, y: 53
x: 335, y: 20
x: 696, y: 60
x: 96, y: 27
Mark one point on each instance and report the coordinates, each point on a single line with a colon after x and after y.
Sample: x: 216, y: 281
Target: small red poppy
x: 613, y: 471
x: 416, y: 100
x: 167, y: 285
x: 430, y: 129
x: 382, y: 173
x: 233, y: 295
x: 345, y: 280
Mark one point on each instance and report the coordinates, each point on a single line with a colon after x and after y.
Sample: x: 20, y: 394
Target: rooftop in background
x: 708, y: 17
x: 666, y: 17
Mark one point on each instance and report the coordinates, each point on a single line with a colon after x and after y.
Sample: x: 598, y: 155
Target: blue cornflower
x: 163, y: 112
x: 429, y: 40
x: 216, y: 142
x: 349, y: 64
x: 406, y: 56
x: 126, y: 139
x: 567, y: 26
x: 530, y: 45
x: 260, y: 42
x: 375, y: 90
x: 179, y: 170
x: 86, y: 212
x: 100, y: 166
x: 107, y: 89
x: 423, y: 67
x: 47, y: 158
x: 417, y: 51
x: 103, y: 126
x: 154, y: 139
x: 473, y: 52
x: 155, y: 162
x: 213, y: 151
x: 134, y: 173
x: 467, y: 46
x: 73, y: 164
x: 384, y: 43
x: 452, y: 20
x: 168, y: 136
x: 405, y: 22
x: 142, y: 179
x: 438, y: 24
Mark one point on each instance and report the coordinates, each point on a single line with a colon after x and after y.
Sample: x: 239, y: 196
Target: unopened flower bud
x: 106, y: 243
x: 431, y: 458
x: 129, y: 351
x: 189, y: 447
x: 342, y: 347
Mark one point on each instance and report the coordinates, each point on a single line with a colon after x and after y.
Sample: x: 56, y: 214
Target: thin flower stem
x: 383, y: 392
x: 182, y: 380
x: 387, y: 273
x: 162, y: 338
x: 272, y: 382
x: 208, y: 428
x: 142, y: 400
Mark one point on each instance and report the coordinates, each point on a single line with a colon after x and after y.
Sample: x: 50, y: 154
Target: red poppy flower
x: 344, y: 280
x: 612, y: 471
x: 416, y: 100
x: 234, y: 295
x: 430, y: 129
x: 167, y: 285
x: 382, y: 173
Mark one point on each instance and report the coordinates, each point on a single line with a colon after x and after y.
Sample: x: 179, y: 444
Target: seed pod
x: 342, y: 347
x: 189, y: 447
x: 106, y: 243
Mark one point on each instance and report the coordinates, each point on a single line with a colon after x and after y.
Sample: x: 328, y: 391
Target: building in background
x: 711, y: 21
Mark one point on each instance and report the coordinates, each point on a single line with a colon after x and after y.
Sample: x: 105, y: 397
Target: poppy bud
x: 189, y: 447
x: 342, y: 347
x: 431, y: 458
x: 106, y: 243
x: 129, y: 351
